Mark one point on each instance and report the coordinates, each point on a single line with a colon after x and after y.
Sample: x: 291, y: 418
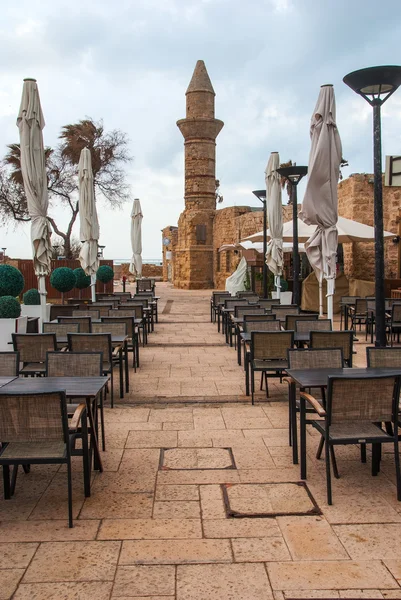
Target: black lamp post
x: 376, y: 85
x: 261, y: 195
x: 294, y: 175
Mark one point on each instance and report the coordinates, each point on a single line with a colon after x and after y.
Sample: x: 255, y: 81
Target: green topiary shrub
x: 10, y: 308
x: 11, y: 281
x: 63, y: 279
x: 31, y: 297
x: 283, y: 285
x: 105, y: 274
x: 82, y: 280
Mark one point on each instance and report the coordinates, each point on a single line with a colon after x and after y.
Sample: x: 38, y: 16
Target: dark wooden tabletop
x: 74, y: 387
x: 5, y: 380
x: 115, y: 339
x: 318, y: 377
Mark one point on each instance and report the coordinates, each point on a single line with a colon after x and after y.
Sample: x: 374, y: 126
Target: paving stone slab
x: 9, y: 579
x: 268, y: 499
x: 48, y: 531
x: 149, y: 529
x: 196, y: 458
x: 169, y: 552
x: 260, y: 549
x: 16, y: 555
x: 312, y: 538
x: 241, y: 528
x: 86, y: 590
x: 215, y: 582
x: 140, y: 580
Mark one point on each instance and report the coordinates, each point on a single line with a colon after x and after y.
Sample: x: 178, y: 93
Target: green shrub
x: 105, y: 274
x: 82, y: 280
x: 10, y: 308
x: 63, y: 279
x: 31, y: 297
x: 283, y: 285
x: 11, y: 281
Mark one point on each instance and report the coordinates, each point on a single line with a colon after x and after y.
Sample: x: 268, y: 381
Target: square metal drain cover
x: 268, y: 499
x: 183, y: 459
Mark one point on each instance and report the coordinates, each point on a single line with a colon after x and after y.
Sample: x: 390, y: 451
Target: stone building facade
x: 355, y: 201
x: 193, y: 252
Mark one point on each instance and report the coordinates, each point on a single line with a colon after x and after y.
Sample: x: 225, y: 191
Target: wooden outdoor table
x: 75, y: 388
x: 318, y: 378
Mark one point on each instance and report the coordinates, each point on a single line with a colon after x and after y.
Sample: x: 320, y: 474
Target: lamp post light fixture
x: 294, y: 175
x: 100, y: 251
x: 4, y: 254
x: 261, y: 195
x: 376, y: 85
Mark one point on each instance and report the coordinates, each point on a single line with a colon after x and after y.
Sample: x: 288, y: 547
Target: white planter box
x: 34, y: 310
x: 9, y: 326
x: 285, y: 297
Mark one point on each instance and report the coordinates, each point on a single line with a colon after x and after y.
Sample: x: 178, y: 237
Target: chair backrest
x: 113, y: 328
x: 122, y: 295
x: 240, y: 311
x: 218, y: 297
x: 348, y: 299
x: 135, y: 311
x: 93, y: 314
x: 233, y: 302
x: 267, y: 303
x: 246, y: 294
x: 396, y: 313
x: 261, y: 317
x: 9, y: 364
x: 91, y: 342
x: 361, y: 306
x: 32, y: 347
x: 370, y: 304
x: 115, y: 301
x: 128, y: 321
x: 144, y: 285
x: 248, y: 297
x: 271, y: 345
x: 282, y: 310
x: 85, y: 323
x: 291, y: 319
x: 62, y: 310
x: 271, y: 325
x: 305, y: 326
x: 61, y: 329
x: 28, y: 417
x: 149, y: 296
x: 383, y: 357
x: 315, y: 358
x: 136, y: 301
x: 372, y: 399
x: 74, y: 364
x: 334, y: 339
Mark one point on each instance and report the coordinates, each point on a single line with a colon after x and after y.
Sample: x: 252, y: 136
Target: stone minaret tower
x: 194, y: 250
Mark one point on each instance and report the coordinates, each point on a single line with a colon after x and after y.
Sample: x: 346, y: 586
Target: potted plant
x: 63, y: 280
x: 11, y: 285
x: 104, y: 274
x: 82, y: 281
x: 31, y: 306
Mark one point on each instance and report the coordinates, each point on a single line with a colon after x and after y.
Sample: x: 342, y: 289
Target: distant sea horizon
x: 145, y: 261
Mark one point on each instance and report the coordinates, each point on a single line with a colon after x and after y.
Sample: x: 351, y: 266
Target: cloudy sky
x: 129, y: 63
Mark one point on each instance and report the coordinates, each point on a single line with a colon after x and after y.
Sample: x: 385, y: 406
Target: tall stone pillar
x: 194, y: 251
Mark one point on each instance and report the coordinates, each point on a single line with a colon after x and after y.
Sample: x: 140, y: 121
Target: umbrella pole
x: 278, y: 286
x: 43, y: 294
x: 330, y: 295
x: 320, y: 298
x: 93, y: 287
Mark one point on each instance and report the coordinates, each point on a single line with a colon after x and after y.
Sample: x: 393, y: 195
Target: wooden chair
x: 32, y: 348
x: 27, y: 439
x: 269, y: 355
x: 9, y: 364
x: 355, y: 408
x: 100, y: 342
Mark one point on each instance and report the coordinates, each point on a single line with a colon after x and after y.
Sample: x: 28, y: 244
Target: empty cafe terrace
x: 204, y: 448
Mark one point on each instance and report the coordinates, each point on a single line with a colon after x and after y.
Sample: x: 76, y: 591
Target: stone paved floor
x: 184, y: 443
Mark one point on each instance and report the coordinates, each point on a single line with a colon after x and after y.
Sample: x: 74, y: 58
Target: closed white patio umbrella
x: 89, y: 224
x: 274, y: 252
x: 30, y: 123
x: 136, y: 239
x: 320, y: 204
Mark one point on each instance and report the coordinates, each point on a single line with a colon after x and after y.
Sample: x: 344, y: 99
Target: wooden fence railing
x: 31, y: 281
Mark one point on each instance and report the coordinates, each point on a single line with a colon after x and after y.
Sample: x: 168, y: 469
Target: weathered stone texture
x: 355, y: 201
x: 193, y: 252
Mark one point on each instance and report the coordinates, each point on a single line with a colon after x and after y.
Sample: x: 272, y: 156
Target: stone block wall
x: 355, y: 201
